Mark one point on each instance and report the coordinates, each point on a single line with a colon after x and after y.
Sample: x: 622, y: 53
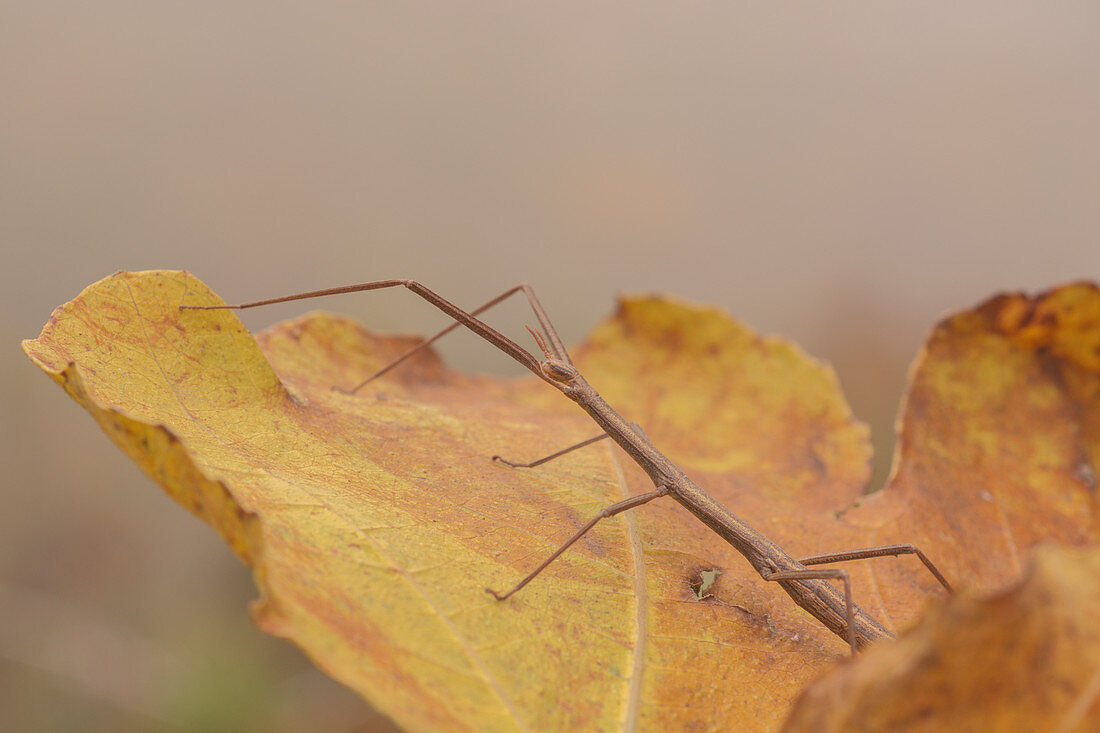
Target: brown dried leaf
x: 998, y: 442
x: 1025, y: 659
x: 997, y: 452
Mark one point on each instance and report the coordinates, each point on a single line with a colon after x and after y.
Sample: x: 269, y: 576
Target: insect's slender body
x: 823, y: 600
x: 809, y: 588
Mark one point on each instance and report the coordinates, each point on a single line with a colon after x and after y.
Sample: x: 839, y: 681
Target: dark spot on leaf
x: 1086, y: 474
x: 761, y: 620
x: 702, y: 582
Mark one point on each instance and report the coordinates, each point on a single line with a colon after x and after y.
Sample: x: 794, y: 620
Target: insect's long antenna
x: 540, y: 341
x: 555, y: 343
x: 487, y: 332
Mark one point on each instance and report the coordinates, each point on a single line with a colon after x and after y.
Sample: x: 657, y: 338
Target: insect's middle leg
x: 610, y: 511
x: 557, y: 454
x: 552, y: 456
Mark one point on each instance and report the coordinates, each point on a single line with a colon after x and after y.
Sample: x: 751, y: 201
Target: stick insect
x: 810, y: 588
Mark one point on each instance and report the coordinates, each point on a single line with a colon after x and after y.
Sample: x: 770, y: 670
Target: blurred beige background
x: 839, y: 173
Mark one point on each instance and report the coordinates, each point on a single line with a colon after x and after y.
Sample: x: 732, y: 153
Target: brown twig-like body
x: 810, y: 588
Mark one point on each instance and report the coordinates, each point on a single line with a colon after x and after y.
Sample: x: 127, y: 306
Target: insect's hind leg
x: 882, y: 551
x: 826, y: 574
x: 554, y: 342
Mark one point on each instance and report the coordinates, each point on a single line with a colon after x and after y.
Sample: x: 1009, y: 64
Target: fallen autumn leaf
x: 373, y: 522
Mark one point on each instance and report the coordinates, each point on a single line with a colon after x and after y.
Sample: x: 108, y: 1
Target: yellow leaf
x: 375, y: 521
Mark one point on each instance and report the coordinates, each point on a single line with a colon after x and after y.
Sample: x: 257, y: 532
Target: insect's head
x: 558, y: 371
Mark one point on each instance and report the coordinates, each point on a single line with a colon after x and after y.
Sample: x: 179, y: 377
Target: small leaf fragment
x: 1026, y: 658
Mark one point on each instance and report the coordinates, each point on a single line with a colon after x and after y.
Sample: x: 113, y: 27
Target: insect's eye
x: 558, y: 371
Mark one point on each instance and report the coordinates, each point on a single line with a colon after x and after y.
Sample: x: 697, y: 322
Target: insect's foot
x: 365, y: 382
x: 496, y: 595
x: 502, y: 459
x: 354, y: 390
